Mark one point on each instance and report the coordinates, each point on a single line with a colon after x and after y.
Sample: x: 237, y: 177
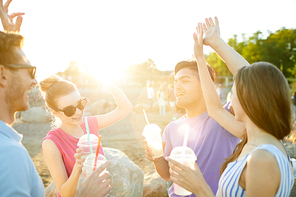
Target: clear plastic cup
x: 89, y: 163
x: 185, y: 156
x: 83, y: 144
x: 152, y: 134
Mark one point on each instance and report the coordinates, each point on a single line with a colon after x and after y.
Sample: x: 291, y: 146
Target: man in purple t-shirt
x: 210, y: 141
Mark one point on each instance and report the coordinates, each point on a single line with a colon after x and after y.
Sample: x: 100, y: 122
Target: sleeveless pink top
x: 67, y: 144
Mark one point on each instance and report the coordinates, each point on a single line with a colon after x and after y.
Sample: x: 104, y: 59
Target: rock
x: 35, y: 97
x: 126, y: 177
x: 155, y: 186
x: 51, y: 190
x: 35, y: 114
x: 294, y: 167
x: 291, y: 148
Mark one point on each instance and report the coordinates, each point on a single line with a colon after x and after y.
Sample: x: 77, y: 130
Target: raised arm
x: 213, y: 103
x: 232, y: 59
x: 124, y: 107
x: 7, y: 20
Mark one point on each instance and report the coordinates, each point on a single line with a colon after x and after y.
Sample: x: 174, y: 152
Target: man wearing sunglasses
x: 18, y: 175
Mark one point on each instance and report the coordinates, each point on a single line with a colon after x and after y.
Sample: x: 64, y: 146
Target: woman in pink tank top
x: 60, y: 144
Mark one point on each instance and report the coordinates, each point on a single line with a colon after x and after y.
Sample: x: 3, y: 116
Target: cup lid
x: 181, y: 150
x: 84, y: 139
x: 151, y: 129
x: 90, y: 160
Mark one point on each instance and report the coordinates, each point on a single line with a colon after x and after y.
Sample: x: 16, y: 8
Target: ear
x: 54, y: 112
x: 3, y: 76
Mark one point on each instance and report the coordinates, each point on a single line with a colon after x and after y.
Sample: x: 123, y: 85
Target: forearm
x: 162, y: 168
x: 69, y: 187
x: 232, y: 59
x: 209, y: 91
x: 120, y: 98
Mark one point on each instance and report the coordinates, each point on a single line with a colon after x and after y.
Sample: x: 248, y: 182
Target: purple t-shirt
x: 211, y: 143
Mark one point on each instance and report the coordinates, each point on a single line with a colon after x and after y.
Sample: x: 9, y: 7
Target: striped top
x: 228, y: 183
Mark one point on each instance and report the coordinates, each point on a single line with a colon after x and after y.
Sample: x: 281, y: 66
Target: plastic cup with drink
x: 88, y: 144
x: 152, y: 134
x: 89, y: 163
x: 185, y: 156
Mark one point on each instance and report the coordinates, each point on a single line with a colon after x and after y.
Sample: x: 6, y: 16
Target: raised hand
x: 198, y: 41
x: 7, y: 20
x: 211, y: 31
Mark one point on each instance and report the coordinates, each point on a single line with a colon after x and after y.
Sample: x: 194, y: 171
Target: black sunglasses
x: 70, y: 110
x: 32, y: 69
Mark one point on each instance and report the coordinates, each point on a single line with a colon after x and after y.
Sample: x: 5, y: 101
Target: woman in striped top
x: 260, y: 165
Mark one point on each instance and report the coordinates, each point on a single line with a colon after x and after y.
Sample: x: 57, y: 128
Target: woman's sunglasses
x: 70, y: 110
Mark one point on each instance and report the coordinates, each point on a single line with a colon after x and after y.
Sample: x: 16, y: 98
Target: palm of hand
x: 210, y: 35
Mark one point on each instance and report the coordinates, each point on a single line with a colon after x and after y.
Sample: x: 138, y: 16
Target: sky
x: 109, y: 36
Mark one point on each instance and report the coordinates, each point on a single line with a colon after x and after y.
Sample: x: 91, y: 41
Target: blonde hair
x: 54, y: 87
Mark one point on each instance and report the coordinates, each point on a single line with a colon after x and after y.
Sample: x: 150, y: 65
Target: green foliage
x: 143, y: 71
x: 279, y: 48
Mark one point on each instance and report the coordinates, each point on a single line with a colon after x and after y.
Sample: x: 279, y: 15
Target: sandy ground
x: 125, y: 135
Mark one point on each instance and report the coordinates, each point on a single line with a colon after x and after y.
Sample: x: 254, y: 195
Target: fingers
x: 216, y: 20
x: 106, y: 190
x: 207, y: 23
x: 204, y: 27
x: 100, y: 169
x: 6, y: 5
x: 211, y: 22
x: 148, y: 152
x: 16, y: 14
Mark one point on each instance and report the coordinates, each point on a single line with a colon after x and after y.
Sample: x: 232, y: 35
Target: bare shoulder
x: 262, y: 157
x: 263, y: 162
x: 49, y: 146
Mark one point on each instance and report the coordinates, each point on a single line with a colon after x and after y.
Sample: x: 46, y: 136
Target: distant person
x: 161, y: 101
x: 260, y: 164
x: 60, y: 144
x: 172, y: 99
x: 19, y: 176
x: 150, y: 94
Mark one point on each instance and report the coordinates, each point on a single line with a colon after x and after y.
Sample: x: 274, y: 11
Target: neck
x: 6, y: 115
x: 196, y: 109
x: 257, y: 136
x: 74, y: 130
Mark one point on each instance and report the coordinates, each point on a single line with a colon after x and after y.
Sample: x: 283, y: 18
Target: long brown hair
x: 263, y: 93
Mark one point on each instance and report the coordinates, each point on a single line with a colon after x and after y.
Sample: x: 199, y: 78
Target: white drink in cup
x: 89, y: 163
x: 185, y: 156
x: 83, y: 144
x: 152, y: 134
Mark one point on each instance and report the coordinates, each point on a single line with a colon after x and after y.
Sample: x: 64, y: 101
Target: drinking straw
x: 145, y: 116
x: 97, y: 153
x: 185, y: 138
x: 88, y: 137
